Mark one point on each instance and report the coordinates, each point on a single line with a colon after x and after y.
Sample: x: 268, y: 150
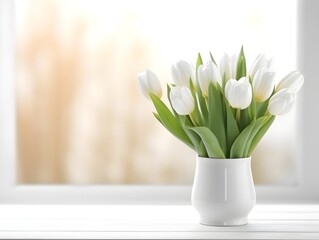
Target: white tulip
x: 226, y: 67
x: 281, y: 103
x: 149, y: 83
x: 261, y: 62
x: 233, y: 61
x: 263, y: 84
x: 270, y: 65
x: 182, y: 72
x: 293, y: 81
x: 206, y: 74
x: 238, y: 93
x: 182, y: 100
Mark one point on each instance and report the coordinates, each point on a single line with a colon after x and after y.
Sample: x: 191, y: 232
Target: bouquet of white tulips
x: 222, y: 111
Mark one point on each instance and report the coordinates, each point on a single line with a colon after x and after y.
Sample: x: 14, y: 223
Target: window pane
x: 80, y: 116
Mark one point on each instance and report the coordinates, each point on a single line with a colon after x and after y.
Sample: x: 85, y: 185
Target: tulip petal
x: 182, y: 100
x: 260, y: 62
x: 293, y: 81
x: 225, y: 68
x: 208, y: 73
x: 149, y: 83
x: 182, y: 73
x: 276, y: 106
x: 281, y: 102
x: 203, y: 83
x: 238, y: 93
x: 142, y: 84
x: 270, y: 65
x: 263, y: 84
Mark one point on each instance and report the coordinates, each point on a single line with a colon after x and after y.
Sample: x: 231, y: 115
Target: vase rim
x: 224, y: 159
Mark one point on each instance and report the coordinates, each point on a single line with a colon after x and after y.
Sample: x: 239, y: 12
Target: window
x: 63, y: 113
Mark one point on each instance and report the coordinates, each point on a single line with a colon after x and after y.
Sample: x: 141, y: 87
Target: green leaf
x: 241, y: 64
x: 258, y: 124
x: 216, y: 121
x: 232, y: 129
x: 210, y: 141
x: 198, y: 145
x: 199, y: 61
x: 202, y: 106
x: 262, y: 131
x: 252, y: 109
x: 224, y: 80
x: 197, y: 113
x: 196, y: 140
x: 169, y: 121
x: 242, y: 143
x: 261, y: 108
x: 157, y: 117
x: 212, y: 58
x: 245, y: 119
x: 238, y: 147
x: 220, y: 89
x: 202, y: 150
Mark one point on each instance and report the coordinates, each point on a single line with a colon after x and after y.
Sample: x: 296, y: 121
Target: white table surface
x: 151, y: 222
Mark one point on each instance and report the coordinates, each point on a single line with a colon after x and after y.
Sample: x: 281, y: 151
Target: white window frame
x: 308, y: 119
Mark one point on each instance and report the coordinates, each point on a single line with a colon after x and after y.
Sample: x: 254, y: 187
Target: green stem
x: 238, y: 110
x: 193, y: 119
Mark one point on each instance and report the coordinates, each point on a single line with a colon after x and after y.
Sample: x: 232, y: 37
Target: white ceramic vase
x: 223, y: 191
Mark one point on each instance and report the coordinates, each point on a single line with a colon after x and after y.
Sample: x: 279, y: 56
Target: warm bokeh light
x: 80, y: 116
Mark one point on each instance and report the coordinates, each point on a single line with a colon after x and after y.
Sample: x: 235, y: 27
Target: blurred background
x: 80, y: 116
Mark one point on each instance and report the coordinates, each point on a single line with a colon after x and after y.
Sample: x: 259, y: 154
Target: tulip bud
x: 182, y: 100
x: 206, y: 74
x: 281, y: 103
x: 226, y: 68
x: 293, y: 81
x: 149, y: 83
x: 182, y: 73
x: 238, y: 93
x: 260, y: 62
x: 233, y: 62
x: 263, y: 84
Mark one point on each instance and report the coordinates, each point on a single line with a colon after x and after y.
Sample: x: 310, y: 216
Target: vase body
x: 223, y: 191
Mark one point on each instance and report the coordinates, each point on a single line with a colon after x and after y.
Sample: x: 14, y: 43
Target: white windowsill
x: 151, y: 222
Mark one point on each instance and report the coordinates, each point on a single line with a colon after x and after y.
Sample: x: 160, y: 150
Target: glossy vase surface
x: 223, y: 191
